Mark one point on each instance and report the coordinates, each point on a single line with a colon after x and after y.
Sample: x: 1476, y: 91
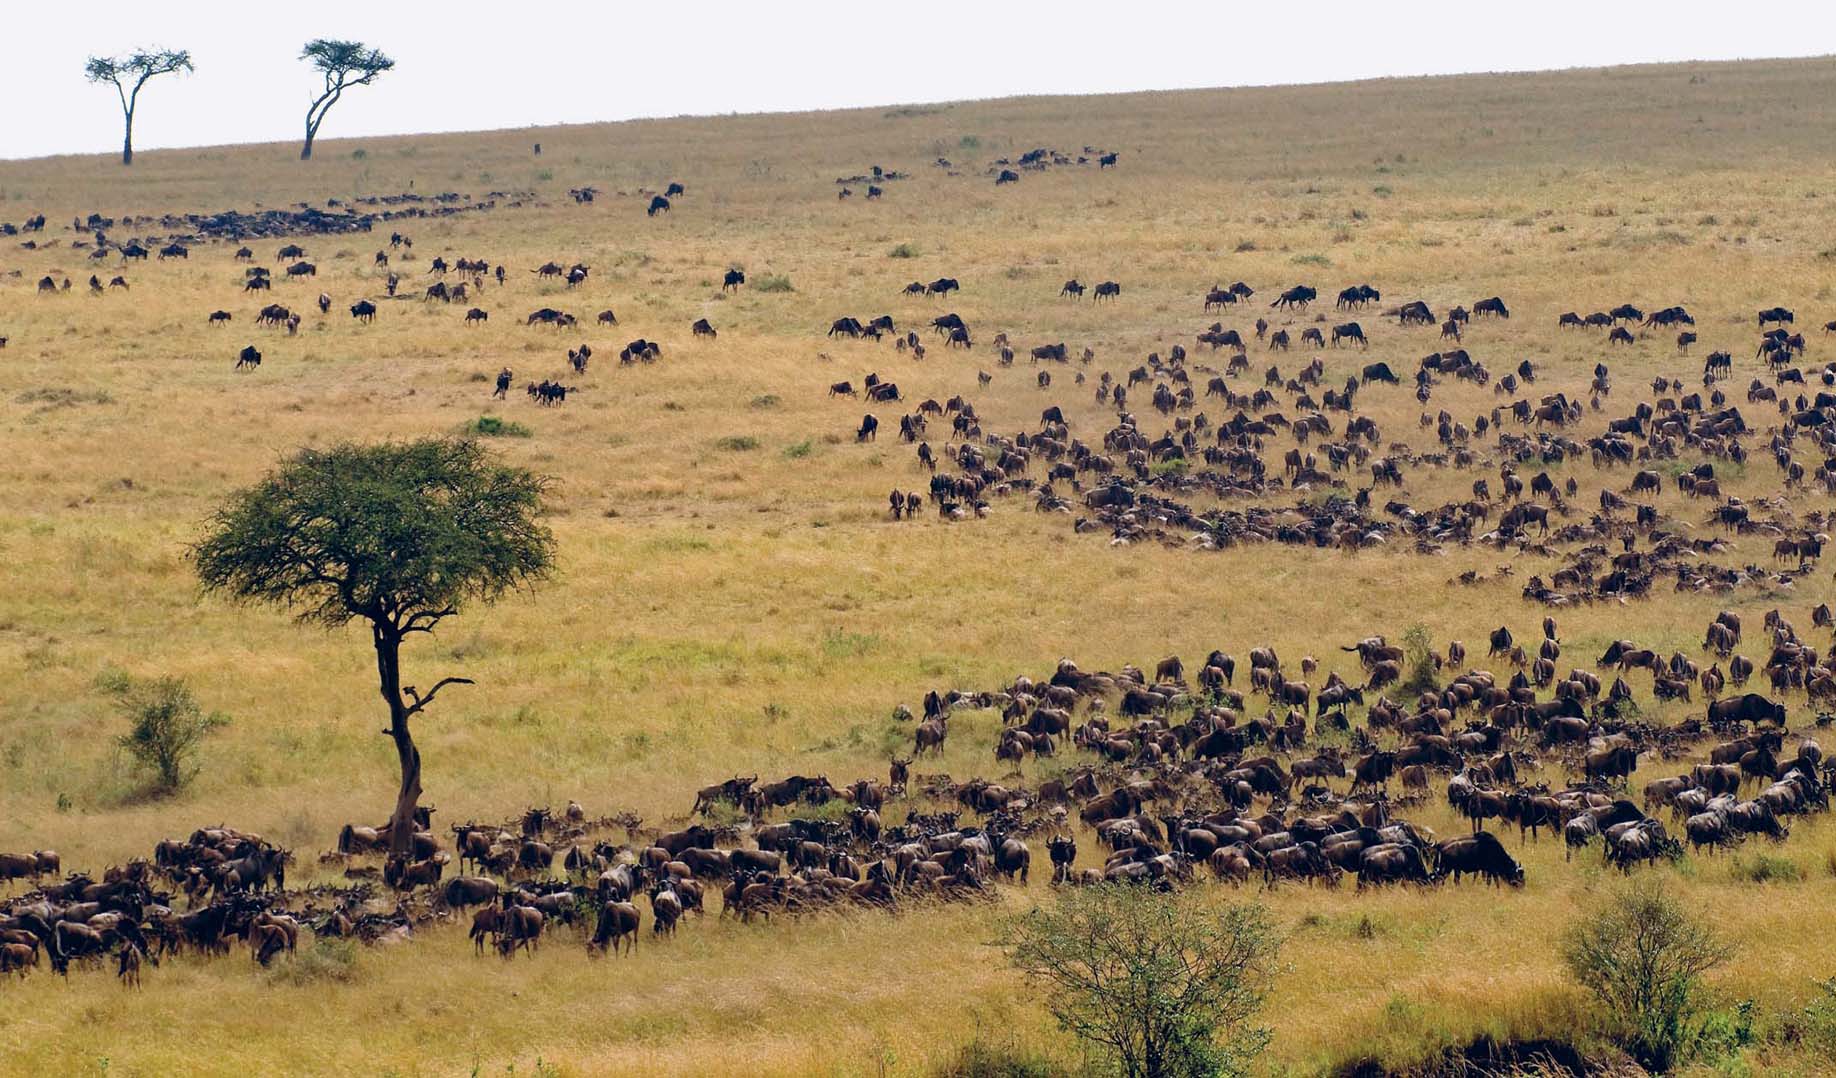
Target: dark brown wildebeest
x: 618, y: 921
x: 733, y: 280
x: 1107, y: 290
x: 870, y: 428
x: 476, y: 315
x: 248, y: 357
x: 1619, y: 335
x: 658, y: 204
x: 218, y: 318
x: 363, y: 311
x: 702, y: 328
x: 1072, y: 288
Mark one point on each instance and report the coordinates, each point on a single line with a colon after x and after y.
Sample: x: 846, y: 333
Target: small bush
x: 359, y: 154
x: 1818, y: 1027
x: 1766, y: 868
x: 327, y: 961
x: 768, y: 400
x: 904, y: 250
x: 1246, y: 247
x: 737, y: 443
x: 166, y: 729
x: 490, y: 426
x: 799, y: 450
x: 1154, y: 984
x: 773, y: 282
x: 1642, y: 956
x: 1311, y: 260
x: 1419, y: 675
x: 983, y: 1058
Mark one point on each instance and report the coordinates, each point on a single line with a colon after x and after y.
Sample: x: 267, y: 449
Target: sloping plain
x: 732, y: 597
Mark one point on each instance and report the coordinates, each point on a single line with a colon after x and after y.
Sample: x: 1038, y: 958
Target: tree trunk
x: 127, y: 147
x: 389, y: 672
x: 306, y: 150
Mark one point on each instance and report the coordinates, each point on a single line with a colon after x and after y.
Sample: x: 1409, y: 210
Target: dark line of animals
x: 1180, y: 777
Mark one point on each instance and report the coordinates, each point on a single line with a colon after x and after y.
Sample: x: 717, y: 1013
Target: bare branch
x: 421, y: 702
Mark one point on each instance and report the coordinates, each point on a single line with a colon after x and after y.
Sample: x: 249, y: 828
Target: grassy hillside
x: 732, y: 597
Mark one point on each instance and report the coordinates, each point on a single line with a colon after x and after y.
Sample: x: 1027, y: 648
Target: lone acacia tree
x: 397, y: 535
x: 344, y: 64
x: 127, y: 74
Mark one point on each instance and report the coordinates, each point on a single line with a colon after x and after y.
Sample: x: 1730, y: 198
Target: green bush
x: 327, y: 961
x: 773, y: 282
x: 1819, y: 1018
x: 1643, y: 955
x: 1767, y: 868
x: 1153, y: 984
x: 1419, y: 674
x: 983, y: 1058
x: 737, y: 443
x: 799, y: 450
x: 490, y: 426
x: 904, y: 250
x: 166, y: 728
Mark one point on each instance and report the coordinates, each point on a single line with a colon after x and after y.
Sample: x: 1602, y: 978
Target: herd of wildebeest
x: 1170, y: 778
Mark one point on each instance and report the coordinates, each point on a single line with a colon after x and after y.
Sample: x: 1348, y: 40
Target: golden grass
x: 724, y: 610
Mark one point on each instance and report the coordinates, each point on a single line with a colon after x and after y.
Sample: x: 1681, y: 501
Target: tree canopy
x: 343, y: 64
x: 127, y: 74
x: 397, y: 534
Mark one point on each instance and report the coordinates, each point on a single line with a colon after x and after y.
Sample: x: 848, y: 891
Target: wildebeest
x: 658, y: 204
x: 702, y: 328
x: 733, y: 280
x: 1107, y: 290
x: 364, y: 311
x: 248, y: 357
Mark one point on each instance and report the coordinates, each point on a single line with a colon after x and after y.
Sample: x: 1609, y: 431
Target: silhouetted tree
x: 127, y: 74
x: 344, y: 64
x: 399, y: 536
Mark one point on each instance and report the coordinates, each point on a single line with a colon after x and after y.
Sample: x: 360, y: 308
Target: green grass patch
x: 773, y: 282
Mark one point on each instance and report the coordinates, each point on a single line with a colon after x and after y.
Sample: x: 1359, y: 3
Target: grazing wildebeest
x: 870, y: 428
x: 658, y: 204
x: 702, y: 328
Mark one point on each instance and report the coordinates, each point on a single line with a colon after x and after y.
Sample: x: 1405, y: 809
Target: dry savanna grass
x: 732, y: 597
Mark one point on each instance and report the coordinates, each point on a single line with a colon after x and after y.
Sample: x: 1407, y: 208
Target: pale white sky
x: 469, y: 66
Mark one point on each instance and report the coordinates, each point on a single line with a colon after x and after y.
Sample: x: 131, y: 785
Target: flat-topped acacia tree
x: 400, y: 536
x: 127, y: 74
x: 344, y: 64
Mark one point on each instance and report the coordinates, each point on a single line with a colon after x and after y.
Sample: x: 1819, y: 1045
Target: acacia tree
x: 343, y: 64
x: 127, y: 74
x: 399, y: 536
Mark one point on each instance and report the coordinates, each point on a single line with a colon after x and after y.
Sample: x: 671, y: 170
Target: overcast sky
x: 468, y: 66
